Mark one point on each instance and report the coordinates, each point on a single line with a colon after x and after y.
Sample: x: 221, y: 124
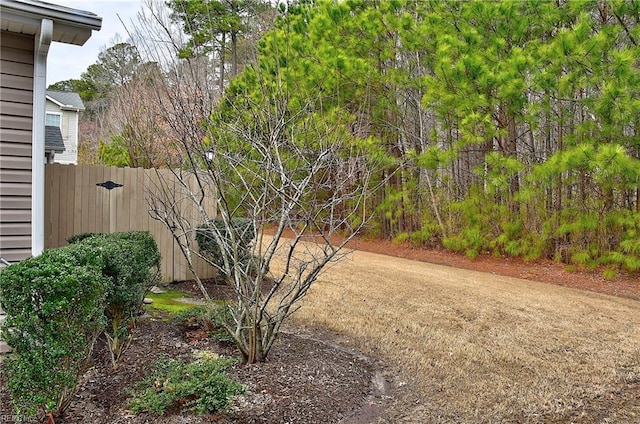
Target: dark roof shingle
x: 53, y: 139
x: 67, y: 99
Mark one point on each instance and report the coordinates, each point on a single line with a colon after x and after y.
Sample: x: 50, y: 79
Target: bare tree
x: 301, y: 182
x: 296, y: 173
x: 134, y: 118
x: 304, y: 179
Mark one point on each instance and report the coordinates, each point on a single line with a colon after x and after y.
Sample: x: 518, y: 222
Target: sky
x: 67, y: 61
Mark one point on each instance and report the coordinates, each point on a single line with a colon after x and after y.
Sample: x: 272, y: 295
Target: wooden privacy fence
x: 75, y: 203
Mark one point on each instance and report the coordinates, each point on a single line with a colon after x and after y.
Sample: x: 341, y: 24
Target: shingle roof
x: 53, y: 139
x: 66, y: 99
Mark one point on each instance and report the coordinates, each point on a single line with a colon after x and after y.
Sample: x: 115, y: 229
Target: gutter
x: 42, y: 44
x: 57, y: 13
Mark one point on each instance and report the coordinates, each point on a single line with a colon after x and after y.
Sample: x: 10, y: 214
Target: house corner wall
x: 16, y: 125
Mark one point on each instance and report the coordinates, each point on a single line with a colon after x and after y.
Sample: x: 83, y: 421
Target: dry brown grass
x: 470, y: 347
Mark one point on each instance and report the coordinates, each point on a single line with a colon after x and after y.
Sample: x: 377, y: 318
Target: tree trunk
x: 548, y: 150
x: 512, y: 150
x: 558, y: 199
x: 223, y: 48
x: 234, y: 54
x: 255, y: 353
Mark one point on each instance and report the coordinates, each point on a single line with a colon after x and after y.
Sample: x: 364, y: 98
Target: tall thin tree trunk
x: 234, y: 54
x: 558, y: 199
x: 512, y: 149
x: 223, y: 48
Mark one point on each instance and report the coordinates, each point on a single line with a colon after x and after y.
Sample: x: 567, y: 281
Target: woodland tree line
x: 511, y: 127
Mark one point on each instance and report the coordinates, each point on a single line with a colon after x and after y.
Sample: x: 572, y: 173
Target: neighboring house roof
x: 66, y: 101
x: 71, y: 26
x: 53, y: 139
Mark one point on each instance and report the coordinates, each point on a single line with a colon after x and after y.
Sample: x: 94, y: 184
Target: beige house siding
x: 16, y: 106
x: 69, y: 130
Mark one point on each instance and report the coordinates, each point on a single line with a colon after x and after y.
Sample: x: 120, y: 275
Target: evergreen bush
x: 54, y: 304
x: 235, y: 239
x: 203, y: 384
x: 131, y: 262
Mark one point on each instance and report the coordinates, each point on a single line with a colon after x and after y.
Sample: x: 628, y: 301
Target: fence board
x: 48, y: 192
x: 111, y: 200
x: 85, y: 184
x: 65, y: 198
x: 135, y: 214
x: 118, y: 197
x: 91, y: 198
x: 183, y: 205
x: 144, y: 208
x: 50, y: 233
x: 75, y: 204
x: 76, y: 224
x: 168, y: 243
x: 103, y: 201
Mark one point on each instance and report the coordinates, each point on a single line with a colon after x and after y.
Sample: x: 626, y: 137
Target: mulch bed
x: 305, y: 380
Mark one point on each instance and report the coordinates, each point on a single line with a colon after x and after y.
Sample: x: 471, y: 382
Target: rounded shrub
x: 131, y: 262
x: 55, y: 311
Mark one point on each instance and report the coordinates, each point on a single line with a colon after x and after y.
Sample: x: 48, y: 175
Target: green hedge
x: 55, y: 311
x: 132, y: 264
x: 59, y: 302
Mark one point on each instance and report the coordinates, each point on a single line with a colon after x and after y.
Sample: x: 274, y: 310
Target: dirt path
x: 468, y: 346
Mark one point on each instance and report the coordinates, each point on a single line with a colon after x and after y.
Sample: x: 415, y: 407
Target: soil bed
x: 304, y: 381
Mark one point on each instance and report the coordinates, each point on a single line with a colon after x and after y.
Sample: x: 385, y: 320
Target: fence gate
x: 98, y: 199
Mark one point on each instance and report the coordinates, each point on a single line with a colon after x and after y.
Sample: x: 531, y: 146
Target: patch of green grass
x: 610, y: 274
x: 169, y: 301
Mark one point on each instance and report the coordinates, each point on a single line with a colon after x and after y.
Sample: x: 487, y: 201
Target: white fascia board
x: 52, y: 100
x: 70, y: 25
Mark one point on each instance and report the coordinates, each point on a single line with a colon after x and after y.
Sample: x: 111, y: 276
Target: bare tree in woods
x: 287, y: 180
x: 136, y: 123
x: 179, y: 95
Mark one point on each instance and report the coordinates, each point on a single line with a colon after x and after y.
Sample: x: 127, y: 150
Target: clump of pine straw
x: 477, y: 348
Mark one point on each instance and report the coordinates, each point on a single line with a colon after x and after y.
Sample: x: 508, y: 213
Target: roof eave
x: 51, y: 99
x: 71, y: 108
x: 62, y: 106
x: 71, y: 26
